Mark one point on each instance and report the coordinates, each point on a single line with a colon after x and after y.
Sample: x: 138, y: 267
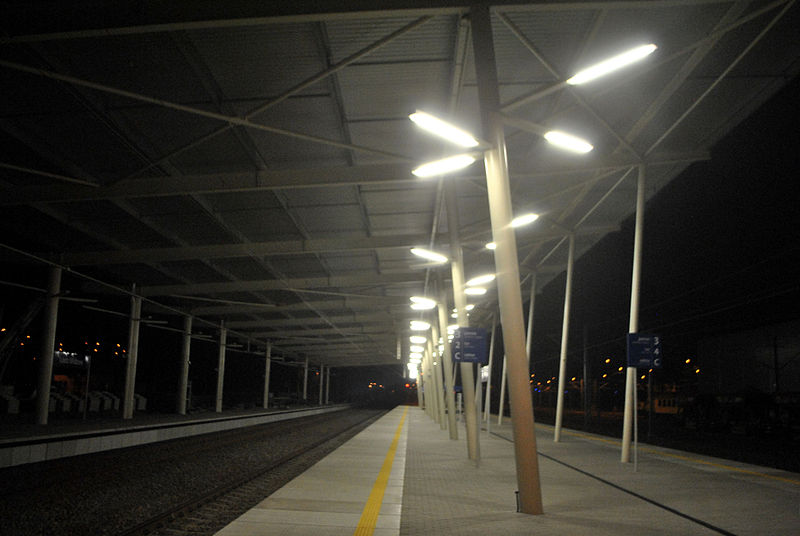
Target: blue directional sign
x: 644, y: 351
x: 469, y: 345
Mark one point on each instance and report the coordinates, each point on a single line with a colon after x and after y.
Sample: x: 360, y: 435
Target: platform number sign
x: 644, y: 351
x: 469, y: 345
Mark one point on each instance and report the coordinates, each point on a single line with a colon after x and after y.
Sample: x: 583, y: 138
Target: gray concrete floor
x: 586, y: 490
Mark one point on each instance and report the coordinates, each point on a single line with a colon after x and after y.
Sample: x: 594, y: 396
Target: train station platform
x: 22, y: 443
x: 404, y: 476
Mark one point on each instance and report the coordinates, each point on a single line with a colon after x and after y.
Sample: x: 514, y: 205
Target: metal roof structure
x: 250, y: 162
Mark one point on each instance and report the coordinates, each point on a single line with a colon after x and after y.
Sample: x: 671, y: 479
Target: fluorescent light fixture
x: 480, y: 280
x: 443, y: 129
x: 470, y: 306
x: 445, y: 165
x: 419, y: 303
x: 419, y: 325
x: 415, y: 348
x: 474, y: 291
x: 525, y: 219
x: 418, y: 339
x: 453, y: 315
x: 451, y: 328
x: 491, y: 245
x: 430, y: 255
x: 612, y: 64
x: 568, y: 142
x: 415, y: 355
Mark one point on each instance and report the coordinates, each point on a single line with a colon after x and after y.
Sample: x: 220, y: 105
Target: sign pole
x: 630, y: 378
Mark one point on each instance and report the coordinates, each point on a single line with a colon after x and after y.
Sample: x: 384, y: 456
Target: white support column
x: 487, y: 410
x: 562, y: 366
x: 328, y: 386
x: 503, y: 381
x: 430, y: 384
x: 305, y: 380
x: 426, y: 384
x: 529, y: 336
x: 438, y: 377
x: 267, y: 369
x: 420, y: 402
x: 633, y: 327
x: 321, y: 377
x: 183, y: 381
x: 447, y: 361
x: 457, y: 269
x: 133, y: 356
x: 47, y: 348
x: 507, y: 263
x: 223, y: 340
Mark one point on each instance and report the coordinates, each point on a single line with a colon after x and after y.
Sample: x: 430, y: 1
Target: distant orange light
x: 605, y: 375
x: 408, y: 385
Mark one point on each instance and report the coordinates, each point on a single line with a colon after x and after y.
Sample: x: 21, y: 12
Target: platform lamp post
x: 506, y: 261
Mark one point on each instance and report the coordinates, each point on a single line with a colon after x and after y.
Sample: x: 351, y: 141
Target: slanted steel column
x: 328, y: 386
x: 487, y: 410
x: 305, y: 380
x: 267, y: 368
x: 529, y: 336
x: 503, y: 381
x: 439, y: 377
x: 45, y: 378
x: 133, y: 356
x: 447, y: 360
x: 506, y: 262
x: 633, y: 327
x: 457, y: 269
x: 528, y: 345
x: 432, y: 398
x: 183, y: 381
x: 321, y: 377
x: 562, y: 367
x: 420, y: 402
x: 223, y: 340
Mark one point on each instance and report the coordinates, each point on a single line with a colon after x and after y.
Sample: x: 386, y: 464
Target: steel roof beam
x: 373, y: 318
x: 277, y: 284
x: 218, y: 183
x: 250, y: 249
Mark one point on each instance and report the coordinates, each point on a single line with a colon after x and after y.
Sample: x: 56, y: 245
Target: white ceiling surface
x: 238, y: 158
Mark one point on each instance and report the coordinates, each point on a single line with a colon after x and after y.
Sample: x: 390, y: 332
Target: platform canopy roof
x: 250, y: 162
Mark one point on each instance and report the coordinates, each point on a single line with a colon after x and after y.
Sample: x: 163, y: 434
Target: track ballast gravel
x: 109, y: 492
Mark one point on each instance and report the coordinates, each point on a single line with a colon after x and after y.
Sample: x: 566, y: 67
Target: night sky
x: 721, y: 253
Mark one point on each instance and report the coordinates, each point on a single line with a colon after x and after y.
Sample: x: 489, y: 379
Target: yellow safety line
x: 687, y: 458
x: 369, y: 517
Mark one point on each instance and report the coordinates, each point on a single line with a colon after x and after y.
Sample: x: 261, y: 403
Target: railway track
x: 184, y: 486
x: 213, y: 510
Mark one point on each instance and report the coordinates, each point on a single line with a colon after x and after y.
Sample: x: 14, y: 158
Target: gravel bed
x: 107, y: 492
